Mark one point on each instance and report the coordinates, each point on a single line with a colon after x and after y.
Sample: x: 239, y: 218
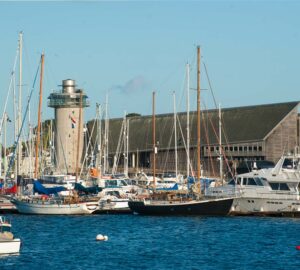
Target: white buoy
x: 101, y: 237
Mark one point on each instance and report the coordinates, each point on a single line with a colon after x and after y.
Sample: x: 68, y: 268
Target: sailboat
x: 174, y: 203
x: 52, y: 205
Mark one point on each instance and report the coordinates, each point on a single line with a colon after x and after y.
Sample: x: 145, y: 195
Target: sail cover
x: 39, y: 188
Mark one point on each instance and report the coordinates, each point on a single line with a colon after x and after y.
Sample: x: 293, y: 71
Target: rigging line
x: 168, y: 149
x: 9, y: 88
x: 207, y: 139
x: 171, y: 74
x: 86, y: 151
x: 29, y: 65
x: 23, y: 121
x: 215, y: 102
x: 210, y: 87
x: 116, y: 157
x: 225, y: 157
x: 185, y: 146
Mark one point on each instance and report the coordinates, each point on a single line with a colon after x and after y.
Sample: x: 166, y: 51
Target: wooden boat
x: 174, y: 203
x: 44, y: 205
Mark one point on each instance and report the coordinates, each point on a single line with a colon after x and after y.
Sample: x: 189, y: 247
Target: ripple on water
x: 141, y: 242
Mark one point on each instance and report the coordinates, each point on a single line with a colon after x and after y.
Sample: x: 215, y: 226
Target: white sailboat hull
x: 40, y: 208
x: 10, y: 246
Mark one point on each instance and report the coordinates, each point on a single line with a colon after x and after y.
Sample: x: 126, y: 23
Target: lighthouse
x: 68, y: 104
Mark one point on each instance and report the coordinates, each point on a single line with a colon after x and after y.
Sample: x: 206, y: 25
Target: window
x: 288, y: 163
x: 212, y: 148
x: 274, y: 186
x: 245, y: 148
x: 251, y: 182
x: 259, y: 148
x: 231, y: 182
x: 250, y: 148
x: 244, y: 181
x: 258, y: 181
x: 235, y: 148
x: 240, y: 148
x: 255, y: 148
x: 279, y: 186
x: 231, y: 148
x: 283, y: 186
x: 238, y: 181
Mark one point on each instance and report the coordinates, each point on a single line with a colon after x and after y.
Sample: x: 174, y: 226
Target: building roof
x: 240, y: 125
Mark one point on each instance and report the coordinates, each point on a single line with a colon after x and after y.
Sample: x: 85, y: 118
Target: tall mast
x: 99, y: 148
x: 127, y: 146
x: 4, y: 148
x: 153, y: 139
x: 175, y: 134
x: 124, y: 142
x: 105, y: 166
x: 220, y: 144
x: 39, y: 119
x: 29, y: 139
x: 188, y: 118
x: 78, y: 137
x: 198, y: 116
x: 20, y: 102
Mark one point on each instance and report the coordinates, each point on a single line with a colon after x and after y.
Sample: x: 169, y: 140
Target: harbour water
x: 142, y: 242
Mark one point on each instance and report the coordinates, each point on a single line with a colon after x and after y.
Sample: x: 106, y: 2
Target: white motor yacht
x: 272, y: 191
x: 8, y: 244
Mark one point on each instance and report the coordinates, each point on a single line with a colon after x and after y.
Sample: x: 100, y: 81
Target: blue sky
x: 130, y: 48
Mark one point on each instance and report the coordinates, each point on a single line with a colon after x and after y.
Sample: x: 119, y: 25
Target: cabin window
x: 251, y: 182
x: 283, y: 186
x: 240, y: 148
x: 238, y: 181
x: 288, y: 163
x: 245, y: 148
x: 279, y: 186
x: 255, y: 148
x: 235, y: 148
x: 212, y: 148
x: 244, y: 181
x: 231, y: 182
x: 231, y: 148
x: 250, y: 148
x: 259, y: 148
x: 274, y: 186
x: 258, y: 182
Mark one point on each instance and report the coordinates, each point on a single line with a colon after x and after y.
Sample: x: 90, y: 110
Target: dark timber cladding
x: 261, y: 132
